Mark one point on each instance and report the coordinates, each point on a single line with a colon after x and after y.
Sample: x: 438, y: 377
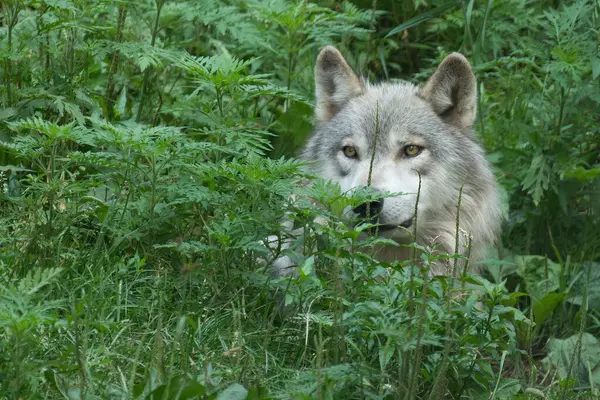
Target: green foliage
x: 562, y: 353
x: 144, y: 160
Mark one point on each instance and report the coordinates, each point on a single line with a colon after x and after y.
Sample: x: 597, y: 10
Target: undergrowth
x: 146, y: 152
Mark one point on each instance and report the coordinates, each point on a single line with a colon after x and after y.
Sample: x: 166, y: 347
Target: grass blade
x: 419, y: 19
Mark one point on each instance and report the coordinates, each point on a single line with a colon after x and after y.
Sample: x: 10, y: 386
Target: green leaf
x: 308, y: 269
x: 385, y: 354
x: 7, y: 113
x: 507, y: 388
x: 419, y: 19
x: 564, y: 354
x: 541, y: 275
x: 235, y: 391
x: 62, y: 385
x: 543, y: 308
x: 36, y: 279
x: 595, y: 67
x: 586, y: 283
x: 582, y: 174
x: 178, y: 388
x: 14, y: 168
x: 537, y: 180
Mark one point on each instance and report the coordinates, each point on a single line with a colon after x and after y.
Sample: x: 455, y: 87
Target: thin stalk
x: 418, y: 349
x: 12, y: 17
x: 338, y: 318
x: 482, y: 42
x: 290, y: 69
x: 44, y: 45
x: 159, y: 342
x: 374, y: 147
x: 582, y: 324
x: 493, y: 396
x: 468, y: 15
x: 79, y: 343
x: 145, y: 83
x: 417, y: 357
x: 319, y: 345
x: 563, y: 102
x: 158, y: 109
x: 457, y: 241
x: 467, y: 260
x: 532, y: 366
x: 488, y: 329
x: 372, y: 161
x: 414, y: 250
x: 50, y: 181
x: 70, y: 62
x: 440, y: 383
x: 114, y: 64
x: 219, y: 95
x: 372, y: 26
x: 17, y: 357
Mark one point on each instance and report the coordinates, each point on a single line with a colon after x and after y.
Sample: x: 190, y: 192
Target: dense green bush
x: 146, y: 151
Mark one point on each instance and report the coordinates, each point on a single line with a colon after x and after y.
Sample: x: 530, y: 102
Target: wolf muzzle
x: 371, y: 211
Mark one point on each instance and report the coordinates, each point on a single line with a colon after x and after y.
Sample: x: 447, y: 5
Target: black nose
x: 407, y: 223
x: 370, y: 209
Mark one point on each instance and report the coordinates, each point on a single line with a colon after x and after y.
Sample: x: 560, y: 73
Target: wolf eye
x: 350, y: 151
x: 412, y: 150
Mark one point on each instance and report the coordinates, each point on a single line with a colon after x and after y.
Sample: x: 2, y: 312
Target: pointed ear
x: 335, y: 83
x: 452, y: 92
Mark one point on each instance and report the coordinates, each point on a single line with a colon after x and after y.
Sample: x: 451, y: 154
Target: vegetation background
x: 146, y: 149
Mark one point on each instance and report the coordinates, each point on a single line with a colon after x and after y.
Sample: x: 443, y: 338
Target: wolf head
x: 414, y: 138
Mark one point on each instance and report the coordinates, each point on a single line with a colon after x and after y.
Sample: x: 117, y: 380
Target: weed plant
x: 147, y: 151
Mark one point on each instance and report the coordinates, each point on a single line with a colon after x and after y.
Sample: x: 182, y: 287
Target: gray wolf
x: 424, y: 137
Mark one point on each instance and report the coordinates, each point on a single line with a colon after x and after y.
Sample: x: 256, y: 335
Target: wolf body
x: 398, y: 138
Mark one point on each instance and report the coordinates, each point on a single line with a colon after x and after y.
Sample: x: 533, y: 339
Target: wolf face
x: 399, y: 138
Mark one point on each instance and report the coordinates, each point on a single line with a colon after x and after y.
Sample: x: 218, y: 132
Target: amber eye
x: 350, y: 151
x: 412, y: 150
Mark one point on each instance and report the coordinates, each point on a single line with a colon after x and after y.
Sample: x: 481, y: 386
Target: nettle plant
x: 139, y: 216
x: 128, y: 214
x: 136, y: 195
x: 371, y: 329
x: 546, y: 126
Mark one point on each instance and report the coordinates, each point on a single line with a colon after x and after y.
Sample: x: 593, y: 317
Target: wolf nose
x: 369, y: 209
x: 407, y: 223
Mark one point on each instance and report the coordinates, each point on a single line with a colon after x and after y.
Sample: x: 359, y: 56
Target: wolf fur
x: 424, y: 135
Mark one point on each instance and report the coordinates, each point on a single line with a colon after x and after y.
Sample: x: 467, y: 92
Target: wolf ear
x: 452, y: 92
x: 335, y: 83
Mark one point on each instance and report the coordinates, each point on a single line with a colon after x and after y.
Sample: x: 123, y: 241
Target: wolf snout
x: 389, y: 219
x: 370, y: 209
x: 373, y: 212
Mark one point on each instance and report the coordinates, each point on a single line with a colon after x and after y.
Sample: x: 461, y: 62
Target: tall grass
x: 146, y: 152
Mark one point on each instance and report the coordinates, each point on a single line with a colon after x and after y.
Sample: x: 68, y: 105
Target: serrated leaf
x: 537, y: 180
x: 36, y: 279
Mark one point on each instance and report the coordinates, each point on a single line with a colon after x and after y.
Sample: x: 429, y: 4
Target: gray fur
x: 335, y: 83
x: 438, y: 117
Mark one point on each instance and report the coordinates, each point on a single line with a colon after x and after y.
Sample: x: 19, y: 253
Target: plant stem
x: 114, y: 64
x: 12, y: 17
x: 159, y: 5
